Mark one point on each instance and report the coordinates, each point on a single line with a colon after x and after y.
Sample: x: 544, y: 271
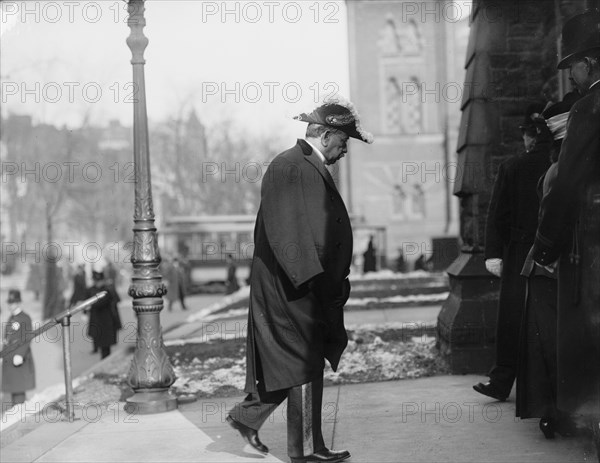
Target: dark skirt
x: 537, y: 370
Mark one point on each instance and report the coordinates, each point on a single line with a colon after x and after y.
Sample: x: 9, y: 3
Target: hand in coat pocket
x: 329, y: 295
x: 340, y: 300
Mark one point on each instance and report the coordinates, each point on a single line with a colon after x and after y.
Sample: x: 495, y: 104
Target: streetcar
x: 203, y: 244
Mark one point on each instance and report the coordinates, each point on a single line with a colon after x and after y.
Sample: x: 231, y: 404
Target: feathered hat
x: 338, y: 113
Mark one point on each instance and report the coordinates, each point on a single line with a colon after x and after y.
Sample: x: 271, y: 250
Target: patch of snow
x: 208, y: 383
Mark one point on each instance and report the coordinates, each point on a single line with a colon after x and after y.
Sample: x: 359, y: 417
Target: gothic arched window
x: 412, y: 107
x: 393, y: 98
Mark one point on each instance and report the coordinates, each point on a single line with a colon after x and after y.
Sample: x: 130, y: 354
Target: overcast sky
x: 256, y: 62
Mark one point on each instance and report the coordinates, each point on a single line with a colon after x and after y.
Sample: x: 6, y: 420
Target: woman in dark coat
x: 509, y: 234
x: 105, y: 321
x: 536, y: 372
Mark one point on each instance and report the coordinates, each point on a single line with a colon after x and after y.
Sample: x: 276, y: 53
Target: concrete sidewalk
x: 438, y: 419
x: 423, y: 420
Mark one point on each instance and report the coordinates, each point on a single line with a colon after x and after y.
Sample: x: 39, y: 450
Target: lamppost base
x: 146, y: 403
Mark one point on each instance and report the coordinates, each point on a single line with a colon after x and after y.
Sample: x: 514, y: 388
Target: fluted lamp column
x: 151, y: 373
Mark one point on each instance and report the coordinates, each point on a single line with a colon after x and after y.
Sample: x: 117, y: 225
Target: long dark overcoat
x: 510, y: 231
x: 298, y: 285
x: 569, y: 230
x: 536, y: 372
x: 105, y: 321
x: 18, y: 378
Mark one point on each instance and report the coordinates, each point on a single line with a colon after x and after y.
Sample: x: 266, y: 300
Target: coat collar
x: 594, y: 87
x: 317, y: 164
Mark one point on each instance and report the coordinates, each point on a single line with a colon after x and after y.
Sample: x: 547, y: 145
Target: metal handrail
x: 64, y: 318
x: 52, y: 322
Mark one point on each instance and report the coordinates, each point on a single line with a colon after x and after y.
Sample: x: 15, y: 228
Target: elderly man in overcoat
x: 536, y: 372
x: 568, y: 235
x: 510, y: 230
x: 299, y: 285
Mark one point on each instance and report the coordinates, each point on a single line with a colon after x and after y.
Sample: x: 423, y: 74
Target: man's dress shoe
x: 249, y: 434
x: 547, y: 427
x: 326, y: 456
x: 491, y: 390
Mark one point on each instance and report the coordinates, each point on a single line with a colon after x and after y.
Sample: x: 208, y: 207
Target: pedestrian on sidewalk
x: 18, y: 370
x: 299, y: 285
x: 175, y: 278
x: 370, y: 257
x: 536, y: 370
x: 400, y: 262
x: 104, y: 321
x: 80, y: 290
x: 232, y: 282
x: 54, y: 301
x: 509, y: 233
x: 35, y: 279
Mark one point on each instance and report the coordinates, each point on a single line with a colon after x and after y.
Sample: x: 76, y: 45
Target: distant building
x: 115, y: 137
x: 406, y: 78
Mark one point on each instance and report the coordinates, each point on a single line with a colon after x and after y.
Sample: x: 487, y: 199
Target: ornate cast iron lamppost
x: 151, y: 373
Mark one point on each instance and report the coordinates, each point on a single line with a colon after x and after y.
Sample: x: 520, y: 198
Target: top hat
x: 531, y: 119
x: 339, y: 114
x: 580, y: 34
x: 14, y: 296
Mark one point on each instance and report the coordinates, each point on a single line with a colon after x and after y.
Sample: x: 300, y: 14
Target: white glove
x: 18, y: 360
x: 494, y: 266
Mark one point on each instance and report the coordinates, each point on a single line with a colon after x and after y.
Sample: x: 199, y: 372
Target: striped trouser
x: 303, y: 415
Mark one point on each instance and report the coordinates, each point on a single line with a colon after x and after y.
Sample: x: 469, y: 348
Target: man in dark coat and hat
x: 18, y: 371
x: 105, y: 321
x: 510, y: 230
x: 568, y: 235
x: 536, y: 372
x: 299, y: 285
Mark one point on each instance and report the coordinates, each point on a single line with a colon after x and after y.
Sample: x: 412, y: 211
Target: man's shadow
x: 209, y: 415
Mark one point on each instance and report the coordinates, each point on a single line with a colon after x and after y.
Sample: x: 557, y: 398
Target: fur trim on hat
x: 340, y: 100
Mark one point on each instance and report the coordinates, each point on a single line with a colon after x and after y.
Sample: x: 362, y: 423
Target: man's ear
x: 590, y: 63
x: 325, y: 136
